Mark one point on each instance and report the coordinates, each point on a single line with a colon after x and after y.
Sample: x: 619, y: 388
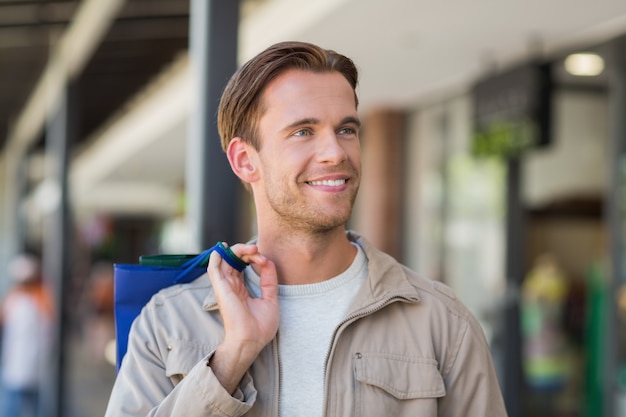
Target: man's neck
x: 303, y: 258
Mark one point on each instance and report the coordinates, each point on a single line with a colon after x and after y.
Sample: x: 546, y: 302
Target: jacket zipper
x: 351, y: 318
x: 280, y: 373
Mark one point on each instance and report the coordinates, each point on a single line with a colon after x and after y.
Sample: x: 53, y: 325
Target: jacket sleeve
x: 143, y: 388
x: 472, y: 387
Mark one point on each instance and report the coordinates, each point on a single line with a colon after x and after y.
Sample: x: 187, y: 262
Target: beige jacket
x: 407, y: 348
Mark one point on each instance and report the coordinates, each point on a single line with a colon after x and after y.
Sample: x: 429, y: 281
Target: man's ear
x: 241, y: 158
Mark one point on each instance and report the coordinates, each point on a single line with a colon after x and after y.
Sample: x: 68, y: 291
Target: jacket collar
x: 387, y: 279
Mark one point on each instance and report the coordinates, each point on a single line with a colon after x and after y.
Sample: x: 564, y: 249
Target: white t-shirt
x: 309, y: 315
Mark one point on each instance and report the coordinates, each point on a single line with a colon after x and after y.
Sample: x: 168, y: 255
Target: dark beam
x: 213, y: 189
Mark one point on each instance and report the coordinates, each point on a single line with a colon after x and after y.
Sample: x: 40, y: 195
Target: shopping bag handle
x: 192, y: 264
x: 226, y: 254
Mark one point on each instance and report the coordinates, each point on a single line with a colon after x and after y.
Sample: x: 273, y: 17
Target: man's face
x: 309, y: 155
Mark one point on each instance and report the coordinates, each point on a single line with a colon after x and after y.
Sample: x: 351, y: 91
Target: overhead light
x: 584, y: 64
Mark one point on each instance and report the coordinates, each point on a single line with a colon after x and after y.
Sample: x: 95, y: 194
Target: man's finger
x: 269, y: 282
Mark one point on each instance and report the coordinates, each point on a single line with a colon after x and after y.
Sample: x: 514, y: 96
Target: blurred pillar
x: 616, y: 224
x: 380, y: 198
x: 17, y: 188
x: 60, y: 134
x: 512, y: 378
x: 14, y: 226
x: 213, y: 191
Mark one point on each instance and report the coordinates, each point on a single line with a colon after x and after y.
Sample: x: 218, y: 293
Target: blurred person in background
x: 546, y: 360
x: 27, y: 316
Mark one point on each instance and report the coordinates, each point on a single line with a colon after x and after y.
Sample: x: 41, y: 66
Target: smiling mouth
x: 331, y: 183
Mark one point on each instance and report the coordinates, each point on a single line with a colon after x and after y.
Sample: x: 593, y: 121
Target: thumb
x: 269, y: 282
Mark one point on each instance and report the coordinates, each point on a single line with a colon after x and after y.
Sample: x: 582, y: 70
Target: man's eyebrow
x: 302, y: 122
x: 313, y: 121
x: 351, y: 120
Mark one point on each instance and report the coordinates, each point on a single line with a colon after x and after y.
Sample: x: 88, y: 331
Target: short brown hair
x: 240, y: 107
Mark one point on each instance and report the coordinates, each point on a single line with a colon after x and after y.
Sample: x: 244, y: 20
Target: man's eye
x: 302, y: 132
x: 347, y: 131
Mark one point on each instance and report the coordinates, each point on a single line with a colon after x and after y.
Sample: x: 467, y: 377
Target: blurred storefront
x: 482, y: 221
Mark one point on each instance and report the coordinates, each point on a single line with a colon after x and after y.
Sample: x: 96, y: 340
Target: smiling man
x: 319, y: 323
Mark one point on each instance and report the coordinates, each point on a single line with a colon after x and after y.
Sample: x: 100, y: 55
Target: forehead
x: 303, y: 88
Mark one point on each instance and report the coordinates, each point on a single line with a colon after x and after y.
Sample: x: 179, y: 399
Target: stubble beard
x: 299, y: 216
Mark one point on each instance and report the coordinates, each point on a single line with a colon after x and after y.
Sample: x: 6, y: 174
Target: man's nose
x: 330, y: 149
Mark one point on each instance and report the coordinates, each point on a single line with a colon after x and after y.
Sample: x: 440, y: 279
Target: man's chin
x: 330, y: 223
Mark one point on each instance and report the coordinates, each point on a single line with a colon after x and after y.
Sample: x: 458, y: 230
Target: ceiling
x: 145, y: 36
x: 408, y: 52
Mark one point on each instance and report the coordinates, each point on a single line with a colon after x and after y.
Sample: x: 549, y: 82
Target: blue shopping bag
x: 135, y: 284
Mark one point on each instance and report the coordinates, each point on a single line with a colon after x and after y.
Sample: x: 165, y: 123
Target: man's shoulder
x: 389, y: 272
x: 197, y: 291
x: 435, y: 290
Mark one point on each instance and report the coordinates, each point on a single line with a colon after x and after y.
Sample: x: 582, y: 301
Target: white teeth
x: 332, y: 183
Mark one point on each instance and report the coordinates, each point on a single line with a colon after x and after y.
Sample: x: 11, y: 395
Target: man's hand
x: 249, y: 323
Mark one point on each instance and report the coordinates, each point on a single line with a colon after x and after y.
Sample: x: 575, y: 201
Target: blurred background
x: 493, y: 156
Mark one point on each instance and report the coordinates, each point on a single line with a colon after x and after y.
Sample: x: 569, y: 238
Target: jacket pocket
x: 181, y: 357
x: 389, y: 384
